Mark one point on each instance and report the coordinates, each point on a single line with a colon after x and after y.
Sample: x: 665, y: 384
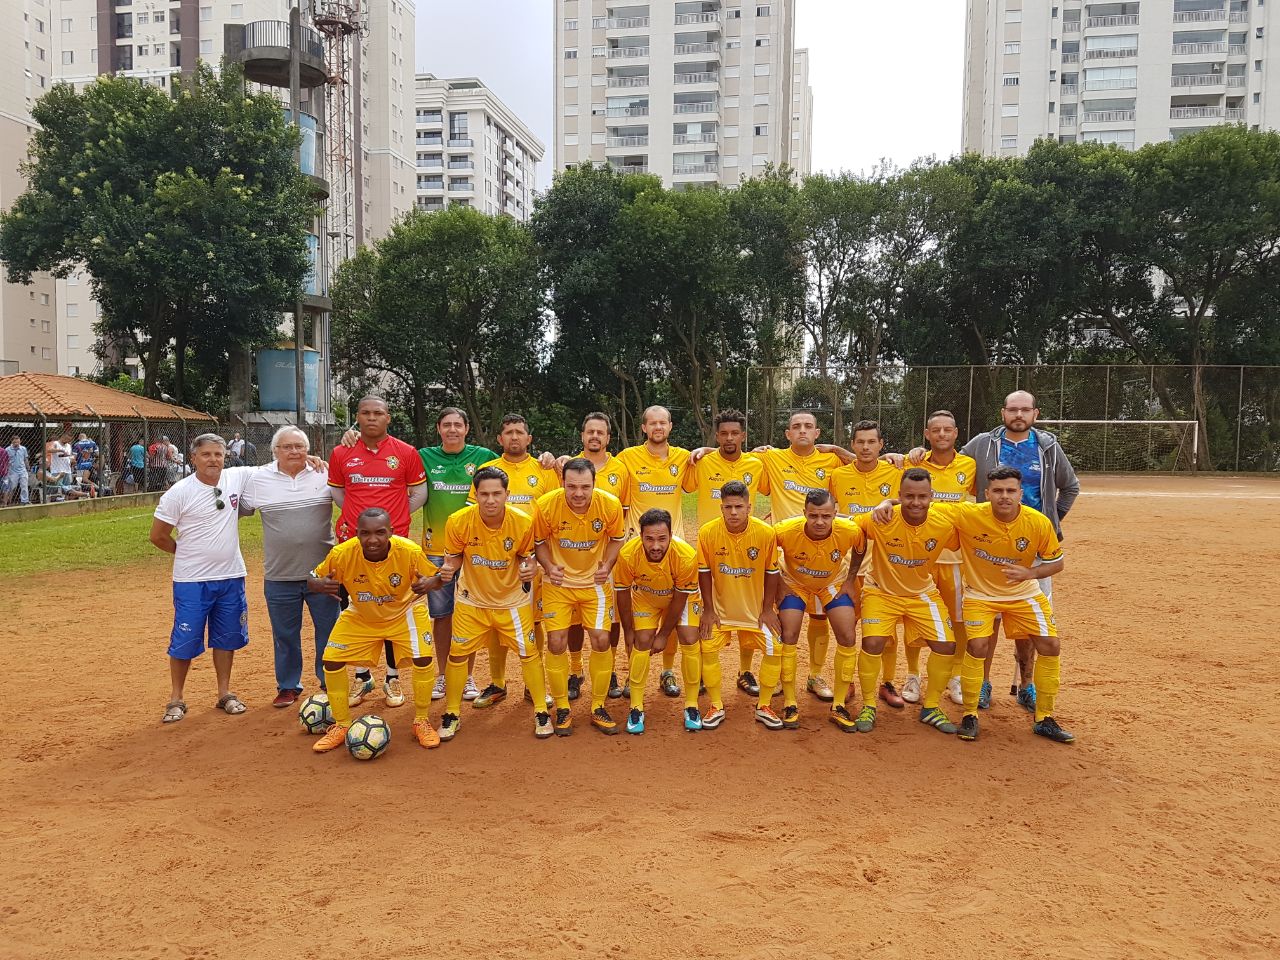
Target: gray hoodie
x: 1059, y: 486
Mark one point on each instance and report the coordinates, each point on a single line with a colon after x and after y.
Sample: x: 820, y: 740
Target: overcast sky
x: 886, y: 74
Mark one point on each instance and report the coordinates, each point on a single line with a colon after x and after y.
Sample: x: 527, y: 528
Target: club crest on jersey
x: 393, y: 463
x: 752, y: 552
x: 508, y: 543
x: 471, y: 469
x: 821, y: 473
x: 675, y: 471
x: 930, y: 543
x: 746, y: 478
x: 532, y: 481
x: 597, y: 524
x: 884, y: 489
x: 395, y: 579
x: 835, y: 556
x: 960, y: 477
x: 613, y: 479
x: 1022, y: 543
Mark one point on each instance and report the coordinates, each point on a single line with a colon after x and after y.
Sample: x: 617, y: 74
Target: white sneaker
x: 470, y: 691
x: 911, y: 689
x: 953, y: 691
x: 437, y: 692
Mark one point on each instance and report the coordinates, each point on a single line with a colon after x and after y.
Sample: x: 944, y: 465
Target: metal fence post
x: 968, y: 416
x: 925, y: 413
x: 1239, y: 416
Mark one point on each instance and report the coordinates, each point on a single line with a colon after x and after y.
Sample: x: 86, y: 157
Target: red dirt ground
x: 1153, y: 836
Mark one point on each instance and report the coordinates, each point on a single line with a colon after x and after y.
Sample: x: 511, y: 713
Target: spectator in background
x: 57, y: 461
x: 176, y: 469
x: 236, y: 450
x: 4, y: 476
x: 157, y: 463
x: 18, y: 476
x: 135, y: 472
x: 86, y: 455
x: 249, y: 456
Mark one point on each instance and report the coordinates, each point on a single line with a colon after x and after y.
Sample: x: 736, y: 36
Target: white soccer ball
x: 314, y: 714
x: 368, y: 737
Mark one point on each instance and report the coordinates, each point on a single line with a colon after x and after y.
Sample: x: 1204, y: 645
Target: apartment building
x: 472, y: 150
x: 696, y: 92
x: 1124, y: 73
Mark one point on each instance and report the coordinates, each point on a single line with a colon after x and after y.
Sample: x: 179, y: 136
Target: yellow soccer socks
x: 971, y: 683
x: 939, y: 673
x: 535, y: 681
x: 497, y: 663
x: 819, y: 637
x: 745, y: 655
x: 770, y: 674
x: 601, y: 666
x: 424, y: 678
x: 869, y: 665
x: 669, y: 654
x: 889, y: 661
x: 690, y: 671
x: 913, y: 660
x: 558, y: 678
x: 338, y: 686
x: 575, y: 662
x: 638, y: 676
x: 1047, y: 675
x: 846, y: 671
x: 711, y: 678
x: 788, y: 674
x: 455, y: 678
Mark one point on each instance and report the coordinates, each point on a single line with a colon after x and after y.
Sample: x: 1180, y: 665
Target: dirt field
x: 1153, y: 836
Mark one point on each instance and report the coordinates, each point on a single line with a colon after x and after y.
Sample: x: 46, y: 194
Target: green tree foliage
x: 188, y: 211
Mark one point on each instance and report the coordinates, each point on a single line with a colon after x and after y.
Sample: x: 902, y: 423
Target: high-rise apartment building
x: 1124, y: 73
x: 801, y: 114
x: 472, y: 150
x: 384, y: 116
x: 696, y: 92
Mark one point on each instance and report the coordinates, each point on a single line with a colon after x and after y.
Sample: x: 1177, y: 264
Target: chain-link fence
x: 1237, y: 408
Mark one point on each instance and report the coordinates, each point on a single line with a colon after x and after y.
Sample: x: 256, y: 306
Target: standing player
x: 578, y: 532
x: 818, y: 555
x: 655, y: 584
x: 706, y: 475
x: 377, y: 471
x: 528, y: 480
x: 904, y: 548
x: 490, y: 548
x: 612, y: 477
x: 657, y: 479
x: 386, y: 577
x: 738, y: 580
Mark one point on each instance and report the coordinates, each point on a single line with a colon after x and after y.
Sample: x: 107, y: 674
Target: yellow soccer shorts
x: 647, y: 617
x: 1032, y: 617
x: 360, y: 643
x: 473, y: 627
x: 951, y: 586
x: 757, y: 638
x: 592, y: 606
x: 923, y: 616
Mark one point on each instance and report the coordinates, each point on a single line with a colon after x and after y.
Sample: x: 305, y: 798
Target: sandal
x: 174, y: 711
x: 231, y: 704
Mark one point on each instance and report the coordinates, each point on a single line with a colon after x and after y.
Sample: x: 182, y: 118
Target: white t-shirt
x: 208, y: 538
x: 60, y: 458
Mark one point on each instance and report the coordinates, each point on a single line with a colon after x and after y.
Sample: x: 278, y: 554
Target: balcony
x: 1070, y: 89
x: 1218, y: 46
x: 1237, y: 49
x: 632, y: 141
x: 1119, y: 83
x: 263, y: 47
x: 1237, y: 80
x: 627, y: 111
x: 456, y: 185
x: 707, y: 47
x: 1197, y: 80
x: 1234, y: 113
x: 311, y: 151
x: 1071, y: 58
x: 642, y: 81
x: 461, y: 165
x: 1195, y: 113
x: 1108, y: 116
x: 1110, y: 54
x: 1200, y: 16
x: 627, y: 53
x: 1070, y: 26
x: 686, y: 18
x: 1239, y: 16
x: 461, y: 142
x: 623, y: 23
x: 429, y: 141
x: 693, y: 169
x: 700, y: 106
x: 683, y: 138
x: 1124, y: 20
x: 1066, y: 121
x: 631, y: 167
x: 699, y: 77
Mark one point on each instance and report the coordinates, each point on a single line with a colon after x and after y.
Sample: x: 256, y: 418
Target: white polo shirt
x: 208, y: 538
x: 297, y: 519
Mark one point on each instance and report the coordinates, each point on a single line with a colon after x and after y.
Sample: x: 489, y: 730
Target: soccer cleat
x: 968, y: 727
x: 635, y: 721
x: 393, y: 692
x: 953, y: 691
x: 713, y: 719
x: 601, y: 720
x: 667, y: 683
x: 840, y: 717
x: 437, y: 691
x: 911, y: 688
x: 359, y: 690
x: 426, y: 734
x: 1048, y: 728
x: 791, y: 717
x: 470, y: 691
x: 1027, y: 698
x: 748, y: 684
x: 615, y: 691
x: 934, y: 717
x: 890, y: 695
x: 866, y: 721
x: 563, y: 722
x: 449, y: 724
x: 984, y: 696
x: 542, y: 727
x: 334, y: 737
x: 692, y: 719
x: 767, y: 717
x: 820, y: 689
x: 490, y: 696
x: 575, y: 686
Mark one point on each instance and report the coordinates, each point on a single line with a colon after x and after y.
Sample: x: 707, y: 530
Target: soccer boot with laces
x: 1048, y: 728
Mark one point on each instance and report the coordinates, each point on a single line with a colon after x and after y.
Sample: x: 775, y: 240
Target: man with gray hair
x: 297, y: 509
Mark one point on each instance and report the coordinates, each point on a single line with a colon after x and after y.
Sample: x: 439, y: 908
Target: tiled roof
x: 62, y: 397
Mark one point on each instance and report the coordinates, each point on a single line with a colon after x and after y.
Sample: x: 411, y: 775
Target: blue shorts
x: 220, y: 605
x: 440, y: 602
x: 792, y: 602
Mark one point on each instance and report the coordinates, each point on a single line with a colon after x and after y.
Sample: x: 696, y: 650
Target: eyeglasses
x: 217, y: 498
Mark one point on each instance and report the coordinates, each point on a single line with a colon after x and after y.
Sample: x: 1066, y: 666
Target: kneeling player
x: 738, y: 579
x: 819, y: 579
x: 655, y: 584
x: 387, y: 578
x: 490, y: 546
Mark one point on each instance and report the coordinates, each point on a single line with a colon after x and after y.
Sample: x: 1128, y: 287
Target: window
x: 735, y: 14
x: 142, y: 49
x: 571, y: 53
x: 731, y: 130
x: 206, y: 13
x: 93, y: 55
x: 39, y: 26
x: 142, y: 18
x: 73, y: 341
x: 1257, y: 66
x: 570, y: 81
x: 1014, y: 47
x: 67, y: 26
x: 93, y: 23
x: 39, y: 53
x: 732, y: 72
x: 760, y: 100
x: 1011, y: 79
x: 1008, y: 143
x: 1013, y: 16
x: 44, y: 299
x: 73, y: 371
x: 158, y: 16
x: 733, y: 44
x: 1008, y: 110
x: 237, y: 11
x: 761, y: 129
x: 759, y: 159
x: 571, y: 24
x: 762, y: 10
x: 762, y: 41
x: 46, y: 353
x: 730, y: 101
x: 206, y: 46
x: 68, y: 56
x: 570, y: 109
x: 762, y: 69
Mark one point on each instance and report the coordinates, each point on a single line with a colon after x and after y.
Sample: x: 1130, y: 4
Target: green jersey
x: 449, y: 481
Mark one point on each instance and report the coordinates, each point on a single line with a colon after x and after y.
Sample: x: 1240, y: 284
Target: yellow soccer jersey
x: 903, y: 556
x: 857, y: 492
x: 578, y: 541
x: 738, y: 564
x: 811, y: 565
x: 615, y: 478
x: 788, y: 478
x: 526, y: 481
x: 957, y: 482
x: 652, y: 585
x: 490, y: 573
x: 655, y: 482
x: 986, y: 545
x: 380, y: 592
x: 708, y: 475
